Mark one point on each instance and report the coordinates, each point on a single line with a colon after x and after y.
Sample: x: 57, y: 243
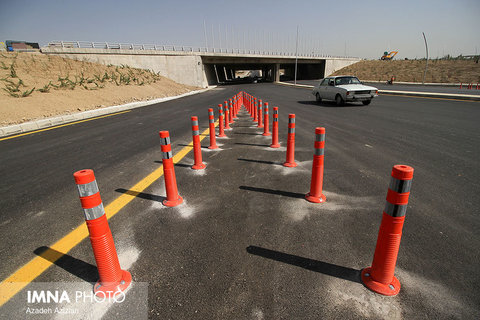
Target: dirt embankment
x: 35, y: 86
x: 439, y: 71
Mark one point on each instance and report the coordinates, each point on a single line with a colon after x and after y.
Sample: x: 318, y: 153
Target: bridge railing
x: 175, y: 48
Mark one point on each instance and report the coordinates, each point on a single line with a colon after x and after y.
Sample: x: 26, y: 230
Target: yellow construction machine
x: 388, y: 56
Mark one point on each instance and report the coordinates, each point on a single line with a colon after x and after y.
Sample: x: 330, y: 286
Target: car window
x: 346, y: 80
x: 324, y: 82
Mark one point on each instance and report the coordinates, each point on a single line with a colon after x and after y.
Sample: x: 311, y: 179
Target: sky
x: 362, y: 29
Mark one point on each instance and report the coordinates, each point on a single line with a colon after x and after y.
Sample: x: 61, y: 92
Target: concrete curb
x: 55, y: 121
x: 305, y: 86
x: 457, y: 96
x: 408, y: 93
x: 431, y: 84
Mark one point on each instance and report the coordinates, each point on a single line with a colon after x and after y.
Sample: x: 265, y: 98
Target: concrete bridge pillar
x: 277, y: 72
x: 225, y: 72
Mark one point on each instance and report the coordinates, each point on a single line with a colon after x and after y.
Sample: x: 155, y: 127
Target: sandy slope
x: 439, y: 71
x: 99, y: 86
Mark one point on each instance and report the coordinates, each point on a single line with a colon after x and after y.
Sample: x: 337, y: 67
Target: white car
x: 343, y: 89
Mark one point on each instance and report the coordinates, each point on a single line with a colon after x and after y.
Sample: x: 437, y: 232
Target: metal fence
x: 174, y: 48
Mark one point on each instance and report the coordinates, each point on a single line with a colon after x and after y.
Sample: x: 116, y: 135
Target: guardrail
x: 175, y: 48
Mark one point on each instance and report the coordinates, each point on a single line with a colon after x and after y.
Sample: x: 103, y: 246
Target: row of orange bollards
x: 470, y: 86
x: 379, y: 277
x: 254, y: 107
x: 113, y: 279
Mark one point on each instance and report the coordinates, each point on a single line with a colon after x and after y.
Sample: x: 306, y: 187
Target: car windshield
x: 346, y: 80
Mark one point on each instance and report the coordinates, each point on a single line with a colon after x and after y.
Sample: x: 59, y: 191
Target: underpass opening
x: 218, y: 74
x: 305, y: 71
x: 231, y: 69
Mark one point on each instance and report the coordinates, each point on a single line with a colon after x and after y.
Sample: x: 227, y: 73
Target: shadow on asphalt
x: 277, y: 192
x: 260, y: 161
x: 142, y: 195
x: 248, y: 133
x: 329, y: 104
x: 309, y: 264
x: 252, y: 144
x: 78, y: 268
x: 184, y: 165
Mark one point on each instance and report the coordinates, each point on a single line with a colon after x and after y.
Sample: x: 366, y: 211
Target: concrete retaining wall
x: 184, y: 69
x: 332, y: 65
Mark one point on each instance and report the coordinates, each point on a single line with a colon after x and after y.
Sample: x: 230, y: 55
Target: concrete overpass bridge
x: 201, y: 66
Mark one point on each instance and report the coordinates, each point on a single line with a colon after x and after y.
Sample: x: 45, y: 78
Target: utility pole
x: 296, y: 59
x: 426, y: 65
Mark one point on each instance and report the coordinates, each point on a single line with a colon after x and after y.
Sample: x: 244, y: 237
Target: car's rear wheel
x: 366, y: 102
x: 318, y: 98
x: 339, y: 100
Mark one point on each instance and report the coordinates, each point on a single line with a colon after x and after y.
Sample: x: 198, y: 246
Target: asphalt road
x: 246, y: 244
x: 408, y: 87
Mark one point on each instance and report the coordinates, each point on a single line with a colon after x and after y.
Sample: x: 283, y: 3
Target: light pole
x: 213, y: 38
x: 296, y: 59
x: 205, y: 31
x: 426, y: 65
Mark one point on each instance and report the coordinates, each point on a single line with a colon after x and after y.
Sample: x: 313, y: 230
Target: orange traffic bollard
x: 290, y: 162
x: 221, y: 132
x: 230, y: 107
x: 250, y: 103
x: 227, y: 117
x: 255, y: 110
x: 197, y: 148
x: 316, y: 184
x: 275, y: 143
x: 211, y: 123
x: 234, y: 104
x: 173, y: 198
x: 260, y: 111
x: 380, y: 277
x: 238, y: 103
x: 266, y: 120
x: 113, y: 280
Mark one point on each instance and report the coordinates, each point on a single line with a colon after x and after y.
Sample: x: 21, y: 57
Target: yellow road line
x: 35, y: 267
x: 63, y: 125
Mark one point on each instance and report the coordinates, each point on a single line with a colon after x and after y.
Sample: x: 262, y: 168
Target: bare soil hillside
x: 34, y: 85
x: 439, y: 71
